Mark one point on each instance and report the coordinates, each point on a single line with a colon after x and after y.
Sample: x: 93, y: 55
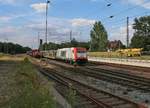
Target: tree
x: 138, y: 41
x: 74, y: 43
x: 98, y: 38
x: 141, y: 37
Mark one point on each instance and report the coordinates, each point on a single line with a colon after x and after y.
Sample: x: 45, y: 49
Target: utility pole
x: 38, y: 40
x: 70, y: 36
x: 47, y: 2
x: 127, y: 32
x: 6, y: 47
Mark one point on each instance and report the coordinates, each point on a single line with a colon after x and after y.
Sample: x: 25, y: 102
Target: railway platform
x: 127, y: 61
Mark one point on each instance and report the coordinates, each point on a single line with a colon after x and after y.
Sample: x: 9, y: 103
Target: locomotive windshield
x: 81, y: 53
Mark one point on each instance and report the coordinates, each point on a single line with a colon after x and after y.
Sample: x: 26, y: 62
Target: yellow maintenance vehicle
x: 131, y: 52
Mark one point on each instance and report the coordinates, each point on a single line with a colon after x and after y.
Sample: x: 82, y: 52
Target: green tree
x: 138, y: 41
x: 141, y: 37
x: 98, y: 38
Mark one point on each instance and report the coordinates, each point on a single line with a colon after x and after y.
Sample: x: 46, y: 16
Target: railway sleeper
x: 102, y: 97
x: 117, y: 103
x: 81, y: 105
x: 80, y: 99
x: 84, y: 103
x: 109, y: 100
x: 126, y: 106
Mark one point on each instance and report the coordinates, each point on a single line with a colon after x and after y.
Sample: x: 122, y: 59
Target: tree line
x: 73, y: 43
x: 11, y: 48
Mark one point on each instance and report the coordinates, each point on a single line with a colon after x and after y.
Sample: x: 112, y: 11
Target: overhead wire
x: 123, y: 11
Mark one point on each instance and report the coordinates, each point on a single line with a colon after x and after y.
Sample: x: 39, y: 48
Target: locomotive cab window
x: 81, y: 51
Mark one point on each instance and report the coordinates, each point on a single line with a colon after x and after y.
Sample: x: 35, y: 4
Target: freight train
x: 70, y: 55
x: 35, y: 53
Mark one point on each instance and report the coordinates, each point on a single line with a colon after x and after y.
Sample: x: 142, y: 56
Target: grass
x: 105, y: 54
x: 6, y: 57
x: 144, y: 57
x: 1, y: 54
x: 31, y: 93
x: 115, y: 55
x: 71, y: 96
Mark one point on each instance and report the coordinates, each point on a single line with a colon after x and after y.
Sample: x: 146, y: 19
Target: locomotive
x: 72, y: 55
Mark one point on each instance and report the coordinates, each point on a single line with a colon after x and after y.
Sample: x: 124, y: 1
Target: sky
x: 22, y: 21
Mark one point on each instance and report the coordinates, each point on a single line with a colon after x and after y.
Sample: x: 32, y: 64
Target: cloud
x: 18, y: 35
x: 58, y: 30
x: 120, y: 33
x: 142, y: 3
x: 39, y: 7
x: 8, y: 29
x: 5, y: 18
x: 81, y: 22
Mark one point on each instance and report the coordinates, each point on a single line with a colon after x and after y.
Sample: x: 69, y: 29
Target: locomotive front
x: 80, y: 55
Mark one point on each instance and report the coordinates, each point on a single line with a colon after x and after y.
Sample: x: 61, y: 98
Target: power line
x: 108, y: 4
x: 123, y: 11
x: 129, y: 9
x: 123, y: 19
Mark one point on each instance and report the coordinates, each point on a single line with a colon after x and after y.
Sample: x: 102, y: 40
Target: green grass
x: 31, y: 92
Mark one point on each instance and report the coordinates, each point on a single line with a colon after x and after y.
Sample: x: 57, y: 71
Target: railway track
x: 121, y: 74
x: 88, y: 97
x: 135, y: 82
x: 132, y: 68
x: 121, y: 78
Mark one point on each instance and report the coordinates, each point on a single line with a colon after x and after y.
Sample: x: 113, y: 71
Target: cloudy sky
x: 21, y: 20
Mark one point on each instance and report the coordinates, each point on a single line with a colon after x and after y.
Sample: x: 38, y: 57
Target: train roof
x: 74, y: 47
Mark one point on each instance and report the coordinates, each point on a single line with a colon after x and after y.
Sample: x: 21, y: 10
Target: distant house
x: 114, y: 45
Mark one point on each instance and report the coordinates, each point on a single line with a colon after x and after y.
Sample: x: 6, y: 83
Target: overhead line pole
x: 70, y: 36
x: 47, y: 2
x: 127, y: 32
x: 38, y: 40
